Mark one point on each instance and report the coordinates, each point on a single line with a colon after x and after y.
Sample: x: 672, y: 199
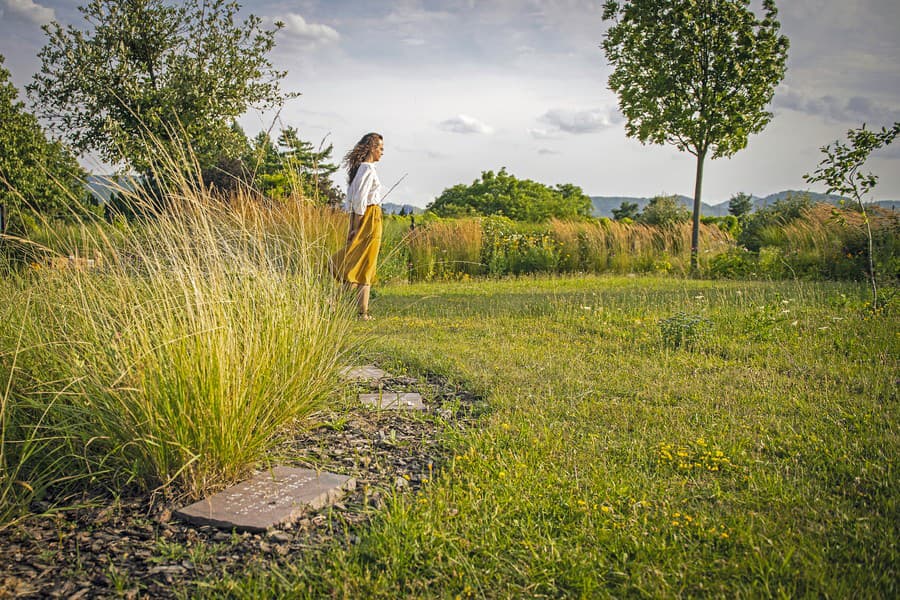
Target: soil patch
x: 132, y: 546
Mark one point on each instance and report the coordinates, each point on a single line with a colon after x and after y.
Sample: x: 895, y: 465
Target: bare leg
x: 363, y: 300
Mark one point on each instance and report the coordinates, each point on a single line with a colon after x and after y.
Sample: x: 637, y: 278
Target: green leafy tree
x: 626, y: 210
x: 740, y: 205
x: 229, y: 173
x: 664, y: 211
x: 519, y: 199
x: 293, y: 165
x: 697, y: 74
x: 151, y: 71
x: 840, y: 171
x: 39, y: 178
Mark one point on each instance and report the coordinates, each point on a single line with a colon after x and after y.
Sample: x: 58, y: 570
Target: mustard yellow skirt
x: 358, y: 260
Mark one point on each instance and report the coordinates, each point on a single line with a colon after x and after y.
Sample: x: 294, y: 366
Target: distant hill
x: 101, y: 187
x: 604, y: 205
x: 390, y: 208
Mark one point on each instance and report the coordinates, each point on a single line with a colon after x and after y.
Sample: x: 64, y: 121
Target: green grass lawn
x: 760, y: 460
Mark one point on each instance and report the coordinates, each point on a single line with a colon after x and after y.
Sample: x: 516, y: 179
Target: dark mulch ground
x: 132, y: 546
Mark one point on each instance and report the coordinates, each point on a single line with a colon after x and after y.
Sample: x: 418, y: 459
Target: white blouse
x: 364, y: 190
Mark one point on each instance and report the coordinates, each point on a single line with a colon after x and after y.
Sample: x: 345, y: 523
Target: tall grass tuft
x: 206, y: 330
x: 446, y: 250
x: 831, y: 243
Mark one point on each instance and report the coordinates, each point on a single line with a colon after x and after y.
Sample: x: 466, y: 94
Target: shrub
x: 737, y: 263
x: 780, y: 213
x: 730, y: 224
x: 831, y: 243
x: 664, y: 211
x: 684, y: 330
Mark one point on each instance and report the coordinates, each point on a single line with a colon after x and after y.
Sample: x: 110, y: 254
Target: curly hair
x: 360, y: 152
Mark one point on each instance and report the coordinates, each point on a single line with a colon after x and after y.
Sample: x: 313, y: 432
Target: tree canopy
x: 293, y: 165
x: 519, y: 199
x: 626, y: 210
x: 150, y: 71
x: 696, y: 74
x: 664, y: 211
x: 39, y: 177
x: 740, y: 205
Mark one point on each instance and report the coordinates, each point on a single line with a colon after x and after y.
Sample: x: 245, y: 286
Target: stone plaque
x: 394, y: 401
x: 274, y: 497
x: 368, y: 373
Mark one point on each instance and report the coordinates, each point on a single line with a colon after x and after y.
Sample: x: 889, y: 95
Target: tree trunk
x: 695, y: 230
x: 871, y: 254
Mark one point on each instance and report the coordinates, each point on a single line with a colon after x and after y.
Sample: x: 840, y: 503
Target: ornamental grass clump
x: 208, y: 329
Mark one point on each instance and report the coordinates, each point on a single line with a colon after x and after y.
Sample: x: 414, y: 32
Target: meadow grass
x: 453, y: 249
x: 758, y: 461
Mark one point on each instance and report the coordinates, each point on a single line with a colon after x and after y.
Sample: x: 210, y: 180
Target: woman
x: 355, y: 264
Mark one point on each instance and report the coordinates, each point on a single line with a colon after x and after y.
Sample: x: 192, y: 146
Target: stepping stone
x: 394, y: 401
x: 274, y: 497
x: 365, y: 373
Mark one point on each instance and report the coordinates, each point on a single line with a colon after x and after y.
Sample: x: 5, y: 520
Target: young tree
x: 664, y: 211
x: 39, y: 178
x: 311, y: 167
x: 293, y: 165
x: 740, y: 205
x: 696, y: 74
x: 626, y: 210
x: 148, y: 71
x: 840, y: 171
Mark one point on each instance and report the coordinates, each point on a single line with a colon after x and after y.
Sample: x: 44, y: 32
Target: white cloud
x: 856, y: 109
x: 465, y: 124
x: 544, y: 134
x: 29, y: 10
x: 297, y: 29
x: 548, y: 151
x: 409, y: 13
x: 580, y: 121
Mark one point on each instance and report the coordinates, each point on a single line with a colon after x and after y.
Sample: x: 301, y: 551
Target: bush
x: 684, y: 330
x: 737, y: 263
x: 780, y: 213
x: 664, y: 211
x: 729, y: 224
x: 828, y: 242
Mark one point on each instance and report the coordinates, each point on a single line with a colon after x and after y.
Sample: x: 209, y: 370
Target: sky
x: 457, y: 87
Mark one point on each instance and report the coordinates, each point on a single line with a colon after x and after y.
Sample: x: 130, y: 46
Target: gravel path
x: 132, y: 547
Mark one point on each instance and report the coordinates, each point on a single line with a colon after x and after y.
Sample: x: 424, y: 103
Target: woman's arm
x: 355, y: 222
